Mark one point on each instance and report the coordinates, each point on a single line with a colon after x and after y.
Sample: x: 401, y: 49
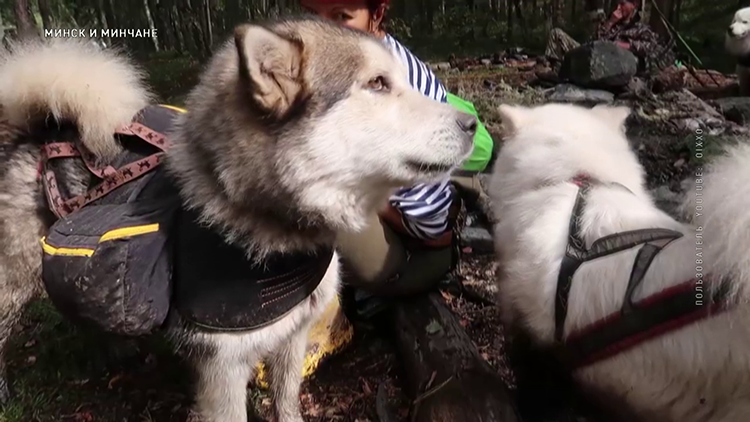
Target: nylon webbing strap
x: 111, y: 178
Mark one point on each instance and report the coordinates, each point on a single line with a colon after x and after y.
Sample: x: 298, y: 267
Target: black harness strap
x: 576, y: 254
x: 668, y: 310
x: 658, y: 314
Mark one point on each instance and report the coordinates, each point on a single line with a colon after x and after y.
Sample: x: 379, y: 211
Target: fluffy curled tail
x: 74, y: 80
x: 719, y: 204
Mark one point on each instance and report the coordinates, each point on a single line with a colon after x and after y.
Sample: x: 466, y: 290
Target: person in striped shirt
x: 422, y: 214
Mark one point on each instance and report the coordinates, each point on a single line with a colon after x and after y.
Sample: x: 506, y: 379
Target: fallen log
x: 716, y: 92
x: 447, y: 378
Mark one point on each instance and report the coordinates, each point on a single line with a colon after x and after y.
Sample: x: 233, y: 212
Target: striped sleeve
x: 424, y: 208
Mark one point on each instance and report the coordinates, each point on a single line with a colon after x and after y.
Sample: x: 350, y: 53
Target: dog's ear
x: 270, y: 66
x: 614, y: 117
x: 513, y: 117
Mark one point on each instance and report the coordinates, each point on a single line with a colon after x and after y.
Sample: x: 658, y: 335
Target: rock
x: 486, y: 62
x: 689, y: 125
x: 441, y: 66
x: 568, y: 93
x: 600, y: 64
x: 685, y: 112
x: 547, y: 75
x: 637, y: 87
x: 686, y: 101
x: 667, y: 200
x: 478, y: 239
x: 735, y: 109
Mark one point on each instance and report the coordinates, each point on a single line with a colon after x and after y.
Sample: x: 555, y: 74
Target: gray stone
x: 689, y: 125
x: 638, y: 87
x: 478, y: 238
x: 600, y: 64
x: 486, y: 62
x: 667, y: 200
x: 685, y: 103
x: 735, y: 109
x: 568, y: 93
x: 441, y: 66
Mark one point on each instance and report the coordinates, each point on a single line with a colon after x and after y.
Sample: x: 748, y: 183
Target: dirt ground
x: 59, y: 373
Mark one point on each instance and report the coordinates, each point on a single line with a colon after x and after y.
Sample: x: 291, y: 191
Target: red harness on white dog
x: 635, y: 322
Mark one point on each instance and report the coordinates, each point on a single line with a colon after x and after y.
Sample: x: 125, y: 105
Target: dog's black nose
x: 467, y: 123
x: 729, y: 30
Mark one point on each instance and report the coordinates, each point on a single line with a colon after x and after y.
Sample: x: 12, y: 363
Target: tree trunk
x: 677, y: 14
x: 592, y: 5
x: 209, y: 29
x: 112, y: 23
x: 197, y: 28
x: 519, y: 16
x: 45, y: 13
x: 509, y: 20
x: 150, y: 12
x: 25, y: 26
x: 2, y: 31
x: 176, y: 22
x: 164, y: 35
x: 555, y: 12
x: 656, y: 22
x: 427, y: 16
x: 232, y: 14
x: 646, y: 11
x: 446, y: 376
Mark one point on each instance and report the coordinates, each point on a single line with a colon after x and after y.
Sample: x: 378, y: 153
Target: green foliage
x: 712, y: 146
x: 400, y: 29
x: 49, y: 366
x: 172, y: 75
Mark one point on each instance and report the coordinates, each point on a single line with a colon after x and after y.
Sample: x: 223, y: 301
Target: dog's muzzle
x: 467, y: 124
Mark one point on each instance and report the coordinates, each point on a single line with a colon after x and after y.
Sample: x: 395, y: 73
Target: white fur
x: 223, y: 377
x: 737, y: 44
x: 740, y: 26
x: 406, y: 126
x: 697, y: 374
x: 56, y: 76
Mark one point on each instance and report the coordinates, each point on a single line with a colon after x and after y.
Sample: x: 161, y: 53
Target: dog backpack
x: 106, y: 261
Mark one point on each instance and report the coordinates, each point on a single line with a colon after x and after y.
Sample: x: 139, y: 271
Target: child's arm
x: 424, y: 208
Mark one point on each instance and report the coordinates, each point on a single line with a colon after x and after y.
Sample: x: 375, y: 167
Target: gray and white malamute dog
x: 297, y: 130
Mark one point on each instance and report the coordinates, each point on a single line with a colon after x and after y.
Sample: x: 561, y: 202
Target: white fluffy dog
x: 737, y: 44
x: 692, y: 365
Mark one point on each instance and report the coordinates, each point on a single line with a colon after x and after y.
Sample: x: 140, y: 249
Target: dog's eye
x: 377, y: 84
